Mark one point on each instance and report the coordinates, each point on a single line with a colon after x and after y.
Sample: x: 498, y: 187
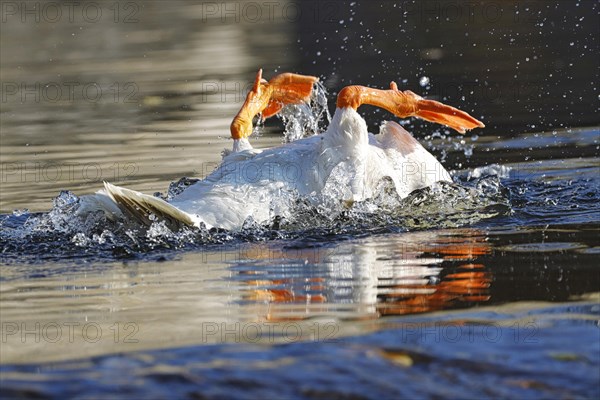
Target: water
x: 486, y: 287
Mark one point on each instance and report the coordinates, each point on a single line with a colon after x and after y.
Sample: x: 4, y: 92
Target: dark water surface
x: 486, y: 288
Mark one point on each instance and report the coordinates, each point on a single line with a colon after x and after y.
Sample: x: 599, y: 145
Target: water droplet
x: 424, y: 81
x: 18, y: 213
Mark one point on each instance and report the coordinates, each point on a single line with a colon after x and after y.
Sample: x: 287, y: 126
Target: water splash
x: 62, y: 234
x: 442, y: 205
x: 301, y: 120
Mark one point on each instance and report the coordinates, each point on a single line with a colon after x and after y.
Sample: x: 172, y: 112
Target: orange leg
x: 269, y: 98
x: 407, y: 104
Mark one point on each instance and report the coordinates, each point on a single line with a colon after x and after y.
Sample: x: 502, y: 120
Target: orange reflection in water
x: 468, y: 283
x: 286, y: 295
x: 464, y: 286
x: 444, y: 273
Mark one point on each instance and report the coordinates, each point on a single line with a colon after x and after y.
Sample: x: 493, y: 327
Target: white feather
x: 262, y: 184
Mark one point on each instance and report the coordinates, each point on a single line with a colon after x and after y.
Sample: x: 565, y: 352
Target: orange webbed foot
x: 434, y: 111
x: 288, y: 89
x: 405, y: 104
x: 268, y: 98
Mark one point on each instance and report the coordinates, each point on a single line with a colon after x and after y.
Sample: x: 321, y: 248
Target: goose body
x: 262, y: 184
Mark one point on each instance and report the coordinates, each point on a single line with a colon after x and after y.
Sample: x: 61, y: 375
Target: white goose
x: 262, y: 183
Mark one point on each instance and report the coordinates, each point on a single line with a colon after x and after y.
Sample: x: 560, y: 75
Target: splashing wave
x: 59, y: 234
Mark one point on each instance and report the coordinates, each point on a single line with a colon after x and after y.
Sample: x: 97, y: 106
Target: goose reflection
x: 391, y: 275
